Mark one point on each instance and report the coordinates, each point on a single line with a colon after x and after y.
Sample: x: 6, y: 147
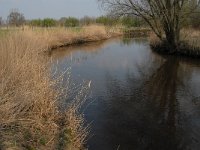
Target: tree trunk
x: 172, y: 40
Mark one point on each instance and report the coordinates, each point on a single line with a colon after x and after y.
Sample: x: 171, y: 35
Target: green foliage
x: 71, y: 22
x: 36, y: 22
x: 131, y: 21
x: 106, y: 20
x: 43, y: 141
x: 74, y: 22
x: 48, y: 22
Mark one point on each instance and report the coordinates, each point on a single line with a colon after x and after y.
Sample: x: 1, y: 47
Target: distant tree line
x: 75, y: 22
x: 15, y: 18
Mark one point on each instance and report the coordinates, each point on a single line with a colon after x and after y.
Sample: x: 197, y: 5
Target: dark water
x: 139, y: 99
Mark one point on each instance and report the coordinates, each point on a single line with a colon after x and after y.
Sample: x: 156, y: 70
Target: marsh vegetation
x: 41, y: 101
x: 31, y: 117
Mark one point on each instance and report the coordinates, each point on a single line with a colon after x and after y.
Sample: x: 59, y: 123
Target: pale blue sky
x: 51, y: 8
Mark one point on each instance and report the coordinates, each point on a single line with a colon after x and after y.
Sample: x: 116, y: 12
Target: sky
x: 56, y: 9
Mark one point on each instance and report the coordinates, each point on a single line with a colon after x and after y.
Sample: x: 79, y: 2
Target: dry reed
x: 189, y: 45
x: 29, y: 114
x: 59, y: 37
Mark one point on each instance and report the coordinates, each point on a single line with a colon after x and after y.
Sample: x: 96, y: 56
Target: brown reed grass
x: 59, y: 37
x: 29, y: 114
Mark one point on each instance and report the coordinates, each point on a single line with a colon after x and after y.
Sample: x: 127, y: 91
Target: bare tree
x: 165, y: 17
x: 16, y: 18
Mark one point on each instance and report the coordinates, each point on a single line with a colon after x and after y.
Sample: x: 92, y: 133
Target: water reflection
x: 92, y: 47
x: 140, y: 100
x: 163, y: 107
x: 147, y: 113
x: 129, y: 41
x: 148, y: 116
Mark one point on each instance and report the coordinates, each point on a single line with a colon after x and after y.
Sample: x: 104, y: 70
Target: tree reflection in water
x: 151, y: 118
x: 140, y: 100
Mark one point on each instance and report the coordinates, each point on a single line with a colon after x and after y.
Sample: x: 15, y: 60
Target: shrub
x: 71, y: 22
x: 36, y: 22
x: 106, y: 20
x: 48, y: 22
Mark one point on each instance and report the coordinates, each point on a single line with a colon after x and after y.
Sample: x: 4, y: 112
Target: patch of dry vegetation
x: 59, y: 37
x: 189, y: 45
x: 191, y: 36
x: 136, y: 32
x: 30, y: 117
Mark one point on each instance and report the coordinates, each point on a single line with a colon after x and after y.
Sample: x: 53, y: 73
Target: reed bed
x: 53, y: 38
x: 30, y: 117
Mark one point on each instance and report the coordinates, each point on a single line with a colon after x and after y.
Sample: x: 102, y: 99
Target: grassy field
x: 30, y: 117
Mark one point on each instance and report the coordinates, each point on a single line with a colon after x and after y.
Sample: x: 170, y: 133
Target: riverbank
x: 189, y: 45
x: 136, y: 32
x: 30, y: 117
x: 53, y: 38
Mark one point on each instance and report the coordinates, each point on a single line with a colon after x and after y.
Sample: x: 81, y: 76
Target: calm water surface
x: 139, y: 100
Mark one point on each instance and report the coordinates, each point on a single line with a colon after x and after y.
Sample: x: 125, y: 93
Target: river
x: 139, y: 100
